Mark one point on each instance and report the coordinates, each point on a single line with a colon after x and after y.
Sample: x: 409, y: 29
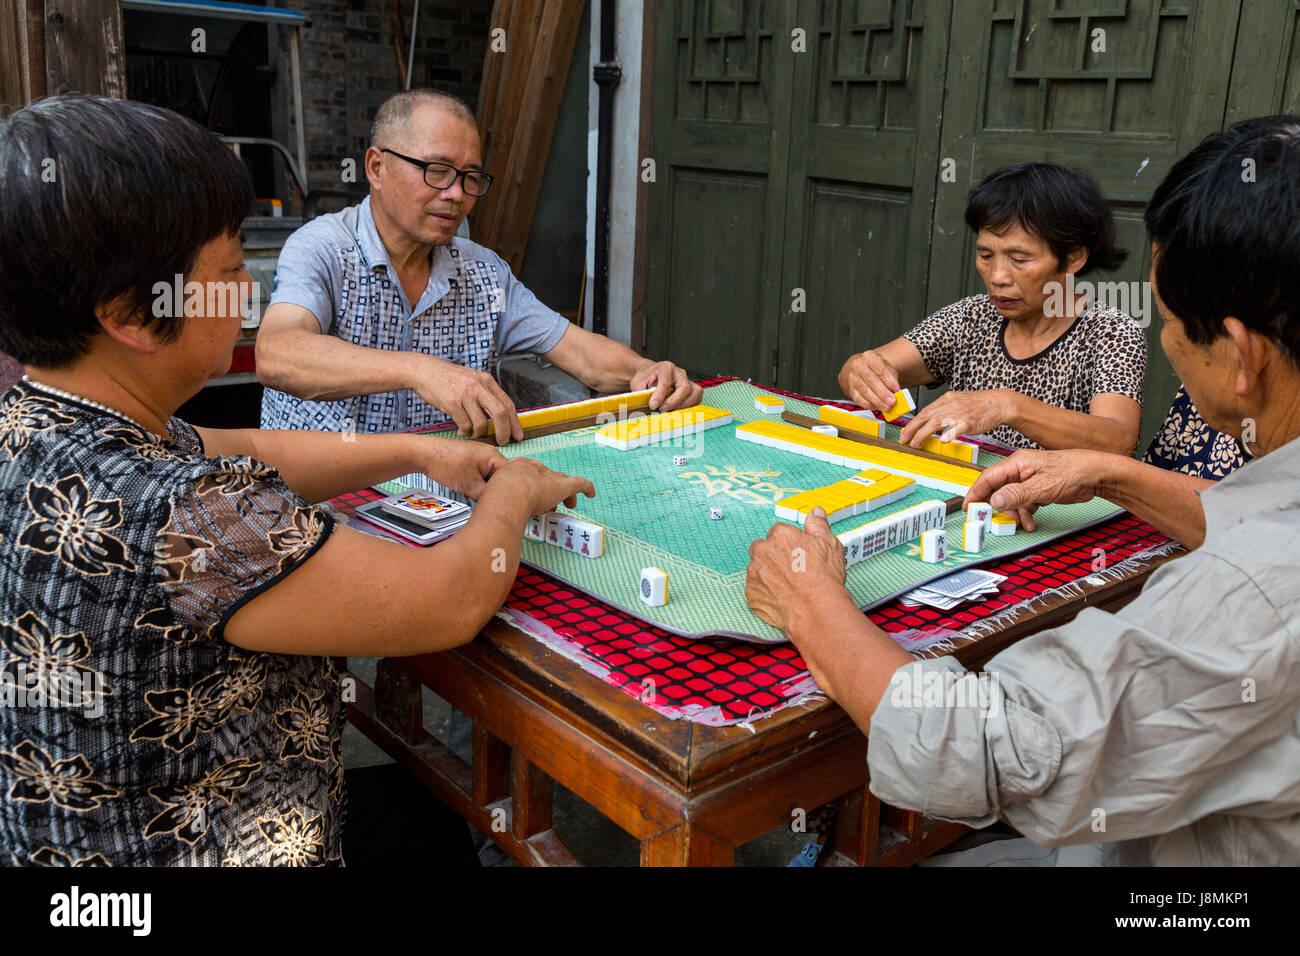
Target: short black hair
x: 103, y: 198
x: 1059, y: 205
x: 1226, y: 224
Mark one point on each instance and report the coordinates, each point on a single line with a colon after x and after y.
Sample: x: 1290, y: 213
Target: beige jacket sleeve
x: 1113, y: 727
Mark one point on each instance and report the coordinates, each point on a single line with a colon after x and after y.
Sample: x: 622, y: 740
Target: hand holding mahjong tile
x: 1031, y: 478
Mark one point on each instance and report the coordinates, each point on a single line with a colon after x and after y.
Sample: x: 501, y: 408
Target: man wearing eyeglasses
x: 384, y: 320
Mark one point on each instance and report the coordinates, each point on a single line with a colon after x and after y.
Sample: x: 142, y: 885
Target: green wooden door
x: 1268, y: 81
x: 794, y: 145
x: 1028, y: 82
x: 836, y: 178
x: 721, y: 148
x: 860, y: 190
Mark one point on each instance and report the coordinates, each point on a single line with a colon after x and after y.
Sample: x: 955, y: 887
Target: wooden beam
x: 22, y: 53
x: 517, y: 113
x: 500, y: 94
x: 531, y: 142
x: 84, y: 51
x: 399, y: 42
x: 13, y: 22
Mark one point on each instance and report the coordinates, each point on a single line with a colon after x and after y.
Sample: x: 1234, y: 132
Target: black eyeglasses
x: 442, y: 176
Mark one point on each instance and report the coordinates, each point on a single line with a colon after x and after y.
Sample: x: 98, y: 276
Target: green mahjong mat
x: 657, y: 514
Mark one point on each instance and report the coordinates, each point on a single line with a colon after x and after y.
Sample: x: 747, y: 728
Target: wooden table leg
x: 398, y: 700
x: 490, y: 767
x: 686, y: 845
x: 857, y: 828
x: 531, y: 793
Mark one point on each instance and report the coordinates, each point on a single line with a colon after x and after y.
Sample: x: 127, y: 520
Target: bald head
x: 394, y: 116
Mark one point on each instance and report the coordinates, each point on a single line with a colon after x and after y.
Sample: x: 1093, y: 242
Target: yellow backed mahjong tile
x: 873, y: 474
x: 903, y: 404
x: 843, y: 419
x: 851, y: 489
x: 959, y: 450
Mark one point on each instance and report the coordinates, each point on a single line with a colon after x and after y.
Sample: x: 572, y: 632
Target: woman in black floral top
x: 169, y: 598
x: 1030, y: 364
x: 1188, y: 445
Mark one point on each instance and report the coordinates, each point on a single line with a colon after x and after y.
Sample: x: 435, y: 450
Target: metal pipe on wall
x: 410, y: 56
x: 607, y: 75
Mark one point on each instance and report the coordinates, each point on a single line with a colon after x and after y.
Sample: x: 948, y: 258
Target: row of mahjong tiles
x: 656, y: 514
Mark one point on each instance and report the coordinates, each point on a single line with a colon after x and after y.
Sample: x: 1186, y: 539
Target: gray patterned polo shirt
x: 472, y: 312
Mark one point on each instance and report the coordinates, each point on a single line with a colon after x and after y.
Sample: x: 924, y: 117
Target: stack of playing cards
x: 947, y: 592
x: 428, y: 510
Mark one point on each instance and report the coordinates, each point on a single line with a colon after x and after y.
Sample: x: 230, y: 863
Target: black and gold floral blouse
x: 131, y: 733
x: 1186, y: 443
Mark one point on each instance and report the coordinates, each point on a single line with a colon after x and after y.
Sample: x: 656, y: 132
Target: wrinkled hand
x: 959, y: 413
x: 792, y: 565
x: 1031, y: 478
x: 465, y: 466
x: 543, y: 489
x: 673, y: 387
x: 472, y: 399
x: 869, y: 381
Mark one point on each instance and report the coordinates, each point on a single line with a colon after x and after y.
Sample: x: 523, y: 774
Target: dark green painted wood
x: 822, y: 170
x: 1018, y: 91
x: 721, y: 151
x: 861, y: 188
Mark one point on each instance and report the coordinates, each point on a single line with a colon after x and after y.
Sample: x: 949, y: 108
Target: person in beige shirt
x: 1169, y: 731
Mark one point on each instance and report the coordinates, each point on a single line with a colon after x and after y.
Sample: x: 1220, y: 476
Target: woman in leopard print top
x: 1030, y: 364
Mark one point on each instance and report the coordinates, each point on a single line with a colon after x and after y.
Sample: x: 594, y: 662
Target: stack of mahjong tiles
x: 661, y: 427
x: 864, y: 492
x: 899, y: 527
x: 587, y: 408
x: 568, y: 532
x: 947, y: 476
x: 865, y: 423
x: 861, y: 421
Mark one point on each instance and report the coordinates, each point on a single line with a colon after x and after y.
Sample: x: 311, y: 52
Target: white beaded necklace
x: 70, y: 397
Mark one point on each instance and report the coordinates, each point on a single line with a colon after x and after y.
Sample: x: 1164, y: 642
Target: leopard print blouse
x: 963, y: 345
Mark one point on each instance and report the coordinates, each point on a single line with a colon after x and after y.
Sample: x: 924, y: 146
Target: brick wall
x: 350, y: 66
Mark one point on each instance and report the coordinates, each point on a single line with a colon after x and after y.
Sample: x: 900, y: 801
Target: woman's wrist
x: 1012, y: 408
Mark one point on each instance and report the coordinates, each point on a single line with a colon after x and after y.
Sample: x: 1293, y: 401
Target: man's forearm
x: 851, y: 659
x: 325, y: 368
x: 1058, y: 428
x: 598, y: 362
x: 1166, y: 499
x: 322, y: 465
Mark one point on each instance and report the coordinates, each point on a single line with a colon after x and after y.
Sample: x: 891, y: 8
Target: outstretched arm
x: 795, y: 582
x: 1110, y: 425
x: 323, y: 465
x: 294, y: 356
x: 1166, y: 499
x: 608, y: 366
